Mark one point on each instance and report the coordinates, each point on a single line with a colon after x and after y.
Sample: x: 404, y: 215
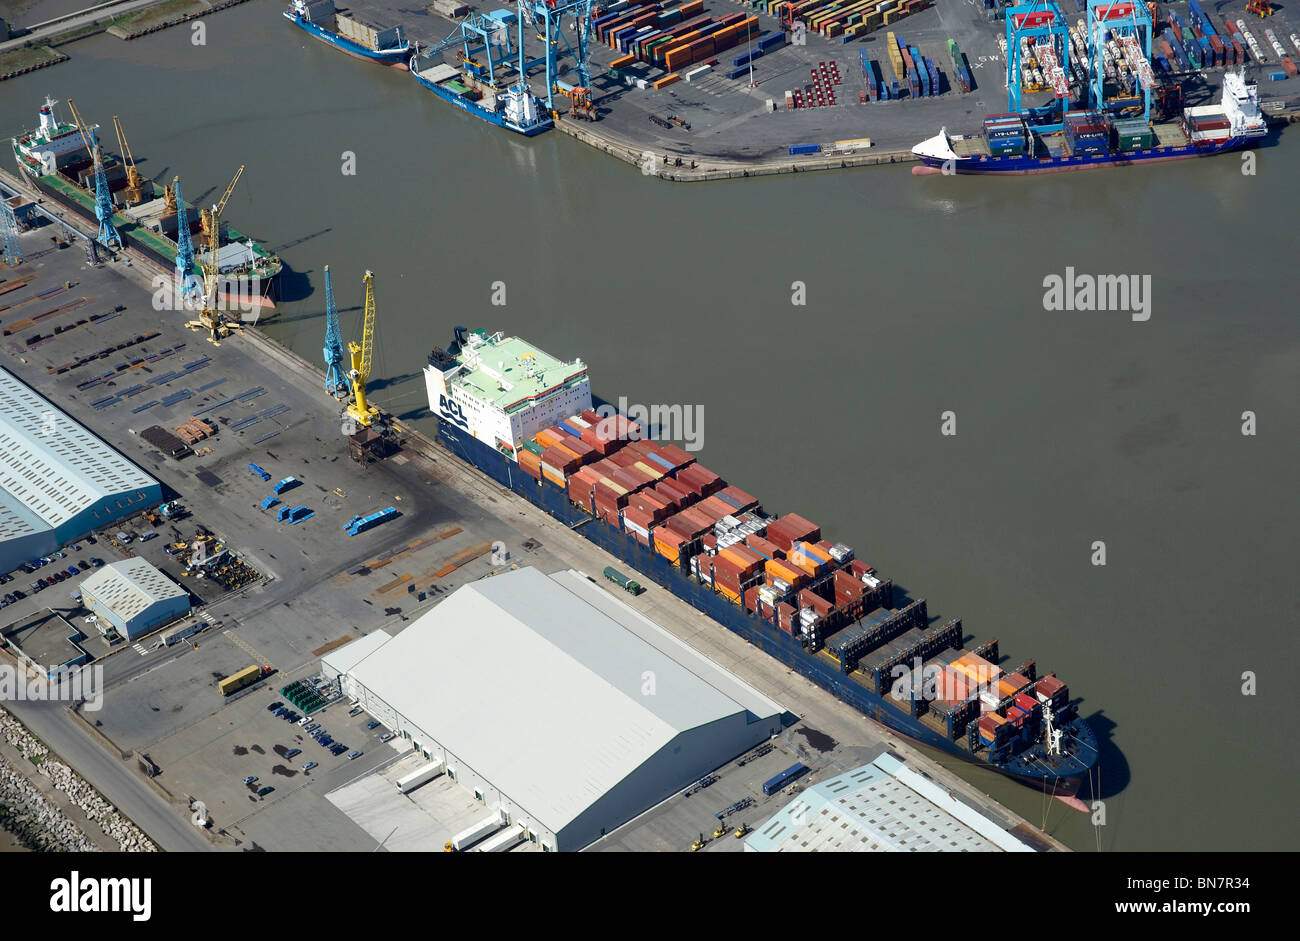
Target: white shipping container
x: 505, y: 840
x: 471, y: 835
x: 410, y: 782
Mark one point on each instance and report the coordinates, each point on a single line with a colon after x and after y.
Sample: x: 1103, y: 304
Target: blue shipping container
x: 774, y: 784
x: 805, y: 148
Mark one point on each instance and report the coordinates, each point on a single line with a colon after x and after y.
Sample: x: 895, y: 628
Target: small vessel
x: 1093, y: 139
x: 515, y: 109
x: 345, y: 31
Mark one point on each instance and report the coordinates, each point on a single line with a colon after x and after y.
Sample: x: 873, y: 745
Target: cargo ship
x: 516, y: 109
x: 348, y: 33
x: 55, y: 158
x: 526, y: 420
x: 1094, y: 139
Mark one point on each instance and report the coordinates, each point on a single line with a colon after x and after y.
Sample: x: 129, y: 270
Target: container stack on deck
x: 1005, y: 134
x: 1087, y: 132
x: 959, y: 67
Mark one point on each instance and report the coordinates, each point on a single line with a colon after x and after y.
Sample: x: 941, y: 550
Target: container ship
x: 345, y: 31
x: 1094, y: 139
x: 55, y: 158
x: 526, y: 420
x: 516, y: 109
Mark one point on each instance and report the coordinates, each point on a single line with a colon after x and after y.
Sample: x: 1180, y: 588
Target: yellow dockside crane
x: 213, y: 320
x: 134, y: 182
x: 362, y: 412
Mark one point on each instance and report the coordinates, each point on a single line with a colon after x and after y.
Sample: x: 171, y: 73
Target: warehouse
x: 57, y: 480
x: 134, y: 597
x: 561, y: 708
x: 881, y: 807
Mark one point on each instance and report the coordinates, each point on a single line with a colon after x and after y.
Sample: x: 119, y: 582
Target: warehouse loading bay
x: 319, y: 588
x: 727, y: 119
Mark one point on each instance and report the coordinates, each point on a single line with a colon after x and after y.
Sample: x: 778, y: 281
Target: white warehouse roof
x: 129, y: 587
x: 343, y: 659
x: 52, y: 467
x: 551, y: 689
x: 880, y: 807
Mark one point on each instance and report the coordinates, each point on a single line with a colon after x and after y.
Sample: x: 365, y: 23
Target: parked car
x: 10, y: 599
x: 250, y: 779
x: 36, y: 586
x: 373, y: 723
x: 355, y: 711
x: 338, y: 749
x: 326, y: 741
x: 59, y: 576
x: 305, y: 721
x: 59, y: 555
x: 292, y: 753
x: 274, y: 706
x: 386, y: 736
x: 311, y: 727
x: 75, y: 547
x: 309, y: 765
x: 263, y: 791
x: 279, y: 712
x: 96, y: 563
x: 19, y: 594
x: 73, y: 570
x: 83, y: 564
x: 354, y: 754
x: 91, y: 540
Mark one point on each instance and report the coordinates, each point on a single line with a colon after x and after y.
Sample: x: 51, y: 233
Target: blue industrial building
x: 134, y: 597
x: 57, y: 480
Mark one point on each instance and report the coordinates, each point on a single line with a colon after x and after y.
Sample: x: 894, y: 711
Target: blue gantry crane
x: 1123, y: 29
x: 547, y: 16
x: 13, y: 254
x: 108, y: 234
x: 189, y: 285
x: 336, y: 375
x: 1038, y: 29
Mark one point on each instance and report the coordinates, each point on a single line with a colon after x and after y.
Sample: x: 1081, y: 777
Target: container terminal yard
x: 293, y: 541
x: 783, y: 100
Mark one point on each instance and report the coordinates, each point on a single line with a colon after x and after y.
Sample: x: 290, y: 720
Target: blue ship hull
x: 1031, y: 766
x: 393, y: 57
x: 483, y: 114
x: 1023, y: 164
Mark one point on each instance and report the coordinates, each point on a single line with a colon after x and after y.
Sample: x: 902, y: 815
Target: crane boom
x: 108, y: 234
x: 362, y: 358
x: 134, y: 185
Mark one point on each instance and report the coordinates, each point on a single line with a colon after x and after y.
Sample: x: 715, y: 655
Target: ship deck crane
x: 362, y: 412
x: 189, y: 285
x: 212, y: 319
x: 336, y: 377
x: 134, y: 183
x: 108, y: 235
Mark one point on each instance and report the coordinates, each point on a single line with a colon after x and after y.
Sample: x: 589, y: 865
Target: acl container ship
x: 55, y: 158
x: 526, y: 419
x: 1094, y: 139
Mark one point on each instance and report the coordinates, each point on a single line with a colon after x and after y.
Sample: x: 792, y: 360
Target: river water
x: 923, y: 296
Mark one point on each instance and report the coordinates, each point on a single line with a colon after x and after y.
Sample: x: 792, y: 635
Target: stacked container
x: 1087, y: 133
x: 1133, y: 134
x: 1004, y: 134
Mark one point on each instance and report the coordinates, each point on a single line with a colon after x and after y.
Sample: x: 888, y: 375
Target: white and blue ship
x: 347, y: 33
x: 515, y: 109
x: 1235, y: 123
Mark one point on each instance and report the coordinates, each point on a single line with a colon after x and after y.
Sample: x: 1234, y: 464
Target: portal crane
x: 189, y: 285
x: 362, y: 357
x: 212, y: 320
x: 134, y: 182
x: 336, y: 379
x: 13, y: 253
x: 108, y: 234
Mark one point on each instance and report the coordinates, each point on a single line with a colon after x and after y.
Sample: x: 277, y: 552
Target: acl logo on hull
x: 452, y: 412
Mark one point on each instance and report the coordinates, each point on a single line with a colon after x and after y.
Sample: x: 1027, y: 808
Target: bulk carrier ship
x: 55, y: 158
x: 526, y: 420
x: 1094, y: 139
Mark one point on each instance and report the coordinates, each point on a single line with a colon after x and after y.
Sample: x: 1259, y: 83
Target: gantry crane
x: 134, y: 182
x: 13, y: 253
x: 336, y: 377
x: 212, y: 319
x: 189, y: 285
x: 362, y: 356
x: 108, y: 234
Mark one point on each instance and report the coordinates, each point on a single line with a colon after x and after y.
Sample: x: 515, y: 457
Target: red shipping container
x: 674, y: 491
x: 785, y: 615
x: 709, y: 541
x: 714, y: 508
x: 764, y: 547
x: 1026, y: 702
x: 676, y: 456
x: 751, y: 599
x: 738, y: 499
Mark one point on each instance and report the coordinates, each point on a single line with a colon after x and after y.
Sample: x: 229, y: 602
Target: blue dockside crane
x: 1043, y: 24
x: 1129, y: 24
x: 108, y: 234
x: 336, y: 375
x: 184, y: 247
x: 13, y: 254
x: 548, y: 19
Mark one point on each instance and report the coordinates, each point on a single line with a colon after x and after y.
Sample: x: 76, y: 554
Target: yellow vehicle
x: 698, y: 844
x: 237, y: 681
x: 741, y: 831
x: 721, y: 831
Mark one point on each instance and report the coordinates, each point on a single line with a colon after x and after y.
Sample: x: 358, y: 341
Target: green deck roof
x: 512, y: 383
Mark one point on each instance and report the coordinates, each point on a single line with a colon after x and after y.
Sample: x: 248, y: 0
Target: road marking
x: 140, y: 650
x: 248, y: 649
